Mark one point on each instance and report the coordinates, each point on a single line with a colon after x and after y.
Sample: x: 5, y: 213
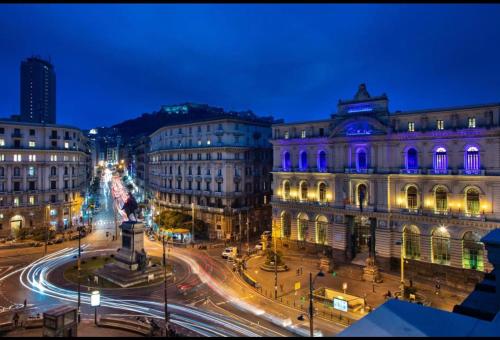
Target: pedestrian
x: 16, y: 319
x: 411, y: 283
x: 389, y: 294
x: 298, y: 271
x: 438, y: 287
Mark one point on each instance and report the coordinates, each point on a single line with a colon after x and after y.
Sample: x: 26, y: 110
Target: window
x: 411, y: 159
x: 322, y: 192
x: 53, y: 158
x: 52, y: 185
x: 472, y: 251
x: 321, y: 132
x: 472, y: 122
x: 66, y: 145
x: 440, y: 124
x: 209, y: 156
x: 286, y: 190
x: 472, y: 160
x: 16, y: 201
x: 412, y: 198
x: 31, y: 144
x: 322, y: 161
x: 472, y: 199
x: 441, y: 199
x: 411, y: 126
x: 303, y: 191
x: 17, y: 171
x: 440, y: 160
x: 303, y: 161
x: 219, y: 156
x: 2, y: 157
x: 411, y: 240
x: 219, y: 187
x: 2, y: 171
x: 287, y: 135
x: 441, y: 246
x: 2, y: 142
x: 361, y: 160
x: 321, y: 226
x: 303, y: 134
x: 17, y: 158
x: 31, y: 200
x: 209, y: 142
x: 17, y: 186
x: 32, y: 132
x: 199, y: 142
x: 286, y: 224
x: 302, y: 226
x: 53, y: 171
x: 199, y: 170
x: 287, y: 163
x: 361, y: 195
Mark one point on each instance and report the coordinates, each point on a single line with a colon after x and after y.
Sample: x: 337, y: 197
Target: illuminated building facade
x: 44, y: 171
x: 368, y: 176
x: 218, y: 161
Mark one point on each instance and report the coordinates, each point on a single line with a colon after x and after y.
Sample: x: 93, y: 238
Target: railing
x: 410, y: 171
x: 471, y: 172
x: 297, y: 200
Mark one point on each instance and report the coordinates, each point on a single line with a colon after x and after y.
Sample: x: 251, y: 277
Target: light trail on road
x: 34, y: 277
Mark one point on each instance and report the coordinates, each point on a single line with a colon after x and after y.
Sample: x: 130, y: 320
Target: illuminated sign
x: 360, y: 108
x: 340, y: 304
x: 95, y: 298
x: 358, y: 132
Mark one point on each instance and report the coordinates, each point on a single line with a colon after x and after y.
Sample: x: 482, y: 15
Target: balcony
x: 54, y: 137
x: 207, y: 178
x: 219, y: 179
x: 477, y: 172
x: 358, y: 171
x: 299, y: 201
x: 17, y: 135
x: 439, y: 172
x: 206, y: 192
x: 369, y: 208
x: 410, y: 171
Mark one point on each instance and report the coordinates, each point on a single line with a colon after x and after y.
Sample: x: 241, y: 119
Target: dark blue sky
x: 115, y: 62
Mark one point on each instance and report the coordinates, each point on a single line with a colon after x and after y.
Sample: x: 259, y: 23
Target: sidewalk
x: 350, y: 274
x: 87, y: 328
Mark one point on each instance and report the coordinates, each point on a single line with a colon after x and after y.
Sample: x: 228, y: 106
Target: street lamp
x: 311, y: 307
x: 79, y: 268
x: 165, y: 285
x: 47, y: 229
x: 402, y: 256
x: 95, y: 301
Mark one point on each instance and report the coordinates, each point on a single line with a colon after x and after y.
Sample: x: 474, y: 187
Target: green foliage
x: 40, y: 234
x: 270, y: 256
x: 175, y: 219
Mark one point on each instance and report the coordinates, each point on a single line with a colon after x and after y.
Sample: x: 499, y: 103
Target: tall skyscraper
x: 38, y: 91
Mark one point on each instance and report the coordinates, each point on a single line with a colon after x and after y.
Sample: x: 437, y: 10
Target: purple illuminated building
x: 365, y: 179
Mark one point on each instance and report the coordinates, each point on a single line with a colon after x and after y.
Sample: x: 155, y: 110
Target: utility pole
x: 311, y: 307
x: 239, y: 227
x: 248, y: 234
x: 275, y: 270
x: 79, y: 268
x: 192, y: 225
x: 165, y: 285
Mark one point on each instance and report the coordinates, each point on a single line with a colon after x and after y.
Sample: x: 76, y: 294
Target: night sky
x: 115, y: 62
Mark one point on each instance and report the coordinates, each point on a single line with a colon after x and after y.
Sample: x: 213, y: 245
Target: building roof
x: 403, y: 319
x: 4, y: 121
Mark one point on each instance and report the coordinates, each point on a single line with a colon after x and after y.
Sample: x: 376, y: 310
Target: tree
x: 270, y: 256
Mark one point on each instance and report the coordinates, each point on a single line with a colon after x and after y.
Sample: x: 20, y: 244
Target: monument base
x: 124, y: 277
x: 371, y: 272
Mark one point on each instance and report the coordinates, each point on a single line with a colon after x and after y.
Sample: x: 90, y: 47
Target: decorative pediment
x: 359, y: 126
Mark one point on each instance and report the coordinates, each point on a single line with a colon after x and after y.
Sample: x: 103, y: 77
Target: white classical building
x: 218, y: 161
x: 367, y: 176
x: 43, y: 173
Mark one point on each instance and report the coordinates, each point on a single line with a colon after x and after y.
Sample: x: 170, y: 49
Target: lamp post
x: 192, y: 225
x: 47, y: 229
x: 275, y: 267
x: 79, y: 268
x: 311, y: 305
x: 165, y: 285
x: 402, y: 256
x: 95, y: 301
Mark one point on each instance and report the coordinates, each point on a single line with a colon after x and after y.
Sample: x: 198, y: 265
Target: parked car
x: 74, y: 237
x: 229, y: 252
x: 58, y: 240
x: 267, y: 234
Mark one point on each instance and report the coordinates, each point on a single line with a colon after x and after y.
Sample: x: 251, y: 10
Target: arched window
x: 286, y: 224
x: 287, y: 163
x: 472, y: 160
x: 411, y: 239
x: 286, y: 189
x: 472, y: 251
x: 361, y: 162
x: 412, y: 198
x: 322, y: 161
x: 441, y: 199
x: 302, y: 225
x: 322, y: 192
x: 303, y: 191
x: 53, y: 171
x: 441, y: 246
x: 472, y: 198
x: 321, y: 225
x: 303, y: 161
x: 440, y: 160
x: 17, y: 171
x: 411, y: 159
x: 361, y: 194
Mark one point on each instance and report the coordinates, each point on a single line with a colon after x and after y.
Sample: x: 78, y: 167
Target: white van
x: 230, y: 252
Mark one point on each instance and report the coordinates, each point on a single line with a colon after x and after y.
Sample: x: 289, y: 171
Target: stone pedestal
x: 132, y: 245
x: 370, y: 271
